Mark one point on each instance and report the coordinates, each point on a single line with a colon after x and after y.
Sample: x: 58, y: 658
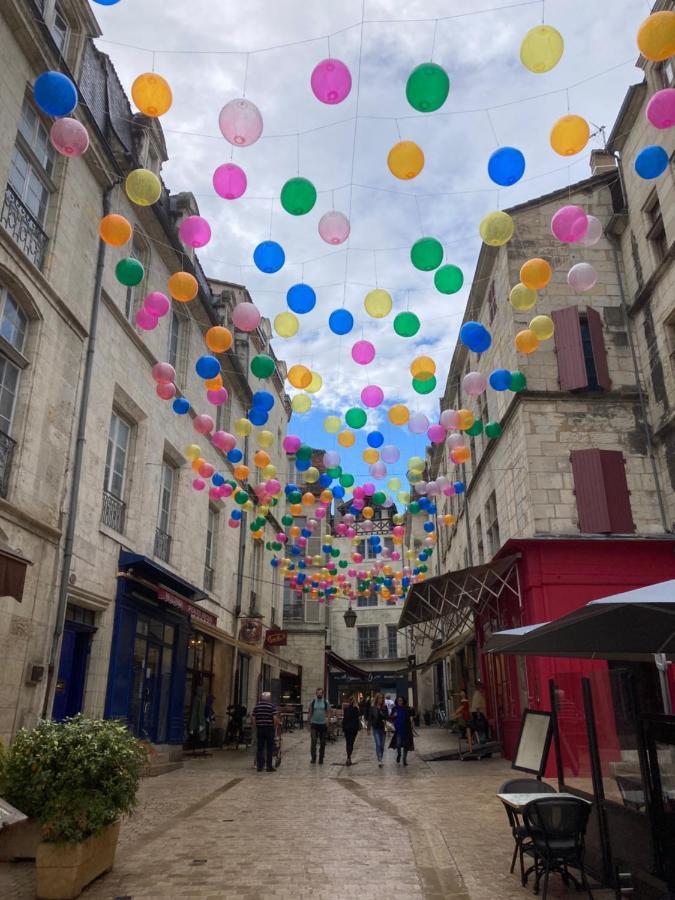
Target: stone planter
x: 20, y: 840
x: 64, y: 870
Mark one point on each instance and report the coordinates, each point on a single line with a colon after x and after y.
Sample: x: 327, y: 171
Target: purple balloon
x: 372, y: 396
x: 660, y: 110
x: 240, y: 122
x: 474, y: 384
x: 436, y: 434
x: 378, y: 470
x: 418, y: 423
x: 145, y: 319
x: 229, y: 181
x: 363, y: 353
x: 157, y: 303
x: 569, y: 224
x: 331, y: 81
x: 194, y: 232
x: 390, y: 453
x: 334, y: 227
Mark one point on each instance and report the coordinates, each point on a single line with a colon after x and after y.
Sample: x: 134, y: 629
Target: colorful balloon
x: 346, y: 439
x: 143, y: 187
x: 299, y: 376
x: 405, y: 160
x: 332, y: 424
x: 129, y: 271
x: 157, y: 303
x: 660, y: 111
x: 301, y: 298
x: 218, y: 339
x: 448, y: 279
x: 183, y: 287
x: 423, y: 368
x: 240, y: 122
x: 363, y: 352
x: 269, y: 257
x: 536, y: 273
x: 145, y: 319
x: 194, y: 231
x: 315, y: 384
x: 286, y: 324
x: 418, y: 423
x: 371, y: 396
x: 427, y: 87
x: 506, y: 166
x: 163, y: 373
x: 541, y: 49
x: 246, y: 316
x: 406, y: 324
x: 582, y: 277
x: 229, y: 181
x: 426, y: 254
x: 55, y: 94
x: 656, y: 36
x: 203, y: 424
x: 474, y: 384
x: 378, y: 303
x: 334, y: 227
x: 593, y: 233
x: 341, y: 321
x: 398, y: 414
x: 651, y: 162
x: 151, y: 94
x: 262, y: 366
x: 115, y: 230
x: 424, y: 385
x: 569, y: 224
x: 496, y: 228
x: 500, y: 380
x: 526, y: 341
x: 301, y: 403
x: 69, y: 137
x: 298, y: 196
x: 569, y: 135
x: 522, y: 298
x: 331, y: 81
x: 543, y: 327
x: 475, y: 336
x: 356, y: 417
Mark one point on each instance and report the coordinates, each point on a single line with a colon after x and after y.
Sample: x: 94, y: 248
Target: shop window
x: 601, y: 490
x: 656, y: 233
x: 117, y: 459
x: 392, y: 641
x: 368, y: 636
x: 165, y: 512
x: 211, y: 544
x: 580, y: 350
x: 492, y: 525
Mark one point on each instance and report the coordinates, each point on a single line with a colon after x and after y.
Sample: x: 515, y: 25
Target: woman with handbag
x: 351, y: 722
x: 379, y: 717
x: 402, y: 739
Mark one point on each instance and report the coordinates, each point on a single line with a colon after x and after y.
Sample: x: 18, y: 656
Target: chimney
x: 602, y: 161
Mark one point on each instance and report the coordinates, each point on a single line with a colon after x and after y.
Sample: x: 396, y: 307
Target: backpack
x: 326, y: 706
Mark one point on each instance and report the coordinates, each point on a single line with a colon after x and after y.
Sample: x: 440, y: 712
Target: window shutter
x: 616, y: 491
x: 589, y: 487
x: 569, y: 349
x: 599, y: 350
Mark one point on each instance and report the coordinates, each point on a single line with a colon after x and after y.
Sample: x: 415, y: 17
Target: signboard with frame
x: 534, y: 741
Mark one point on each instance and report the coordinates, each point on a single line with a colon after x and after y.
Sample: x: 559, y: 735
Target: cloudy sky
x: 209, y: 50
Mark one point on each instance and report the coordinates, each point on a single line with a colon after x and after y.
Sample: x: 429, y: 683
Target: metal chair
x: 556, y: 828
x: 632, y: 792
x: 521, y: 786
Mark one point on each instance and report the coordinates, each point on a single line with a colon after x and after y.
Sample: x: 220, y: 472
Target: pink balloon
x: 367, y: 526
x: 166, y: 391
x: 331, y: 458
x: 474, y: 384
x: 390, y: 453
x: 240, y: 122
x: 368, y: 489
x: 194, y: 232
x: 334, y: 227
x: 217, y: 397
x: 145, y: 319
x: 246, y: 316
x: 418, y: 423
x: 436, y: 434
x: 233, y: 523
x: 291, y: 443
x: 357, y: 558
x: 163, y: 373
x: 363, y: 352
x: 378, y: 470
x: 214, y: 493
x: 229, y: 181
x: 331, y: 81
x: 449, y: 490
x: 226, y: 490
x: 456, y: 440
x: 273, y: 486
x: 582, y: 277
x: 358, y: 492
x: 206, y: 470
x: 351, y: 532
x: 398, y: 530
x: 395, y: 555
x: 372, y: 396
x: 223, y: 440
x: 199, y: 484
x: 450, y: 418
x: 320, y: 512
x: 69, y: 137
x: 569, y: 224
x: 203, y: 424
x: 593, y: 234
x: 157, y: 303
x: 660, y: 110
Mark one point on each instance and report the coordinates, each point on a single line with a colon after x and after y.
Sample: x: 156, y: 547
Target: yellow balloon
x: 656, y: 36
x: 265, y: 439
x: 570, y: 135
x: 543, y: 327
x: 269, y: 471
x: 315, y: 384
x: 299, y: 376
x: 415, y: 462
x: 143, y: 187
x: 332, y: 424
x: 423, y: 368
x: 346, y: 438
x: 394, y: 484
x: 526, y: 341
x: 404, y: 497
x: 405, y: 160
x: 248, y: 506
x: 541, y: 49
x: 378, y: 303
x: 414, y: 475
x: 311, y: 475
x: 286, y: 324
x: 151, y: 94
x: 496, y: 229
x: 193, y: 452
x: 522, y: 298
x: 242, y: 427
x: 466, y: 419
x: 398, y: 414
x: 370, y: 455
x: 301, y: 403
x: 398, y: 518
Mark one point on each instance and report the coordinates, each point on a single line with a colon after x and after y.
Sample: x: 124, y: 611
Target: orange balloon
x: 346, y: 439
x: 656, y: 36
x: 198, y: 463
x: 570, y: 135
x: 299, y: 376
x: 115, y: 230
x: 183, y: 287
x: 466, y: 419
x: 449, y: 519
x: 308, y: 499
x: 218, y: 339
x: 398, y: 414
x: 526, y: 341
x: 326, y: 496
x: 214, y: 384
x: 151, y: 94
x: 241, y: 472
x: 423, y: 368
x: 296, y: 509
x: 535, y: 274
x: 261, y: 459
x: 405, y: 160
x: 367, y: 512
x: 294, y: 531
x: 370, y: 455
x: 460, y: 455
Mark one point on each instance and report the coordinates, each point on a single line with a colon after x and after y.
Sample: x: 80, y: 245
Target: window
x: 492, y: 303
x: 480, y: 549
x: 580, y: 349
x: 368, y: 640
x: 9, y: 383
x: 13, y: 321
x: 164, y: 516
x: 141, y: 252
x: 294, y: 605
x: 116, y: 458
x: 174, y: 338
x: 668, y: 73
x: 81, y: 615
x: 369, y: 599
x: 60, y: 31
x: 392, y: 641
x: 601, y: 490
x: 492, y: 525
x: 211, y: 541
x: 656, y: 233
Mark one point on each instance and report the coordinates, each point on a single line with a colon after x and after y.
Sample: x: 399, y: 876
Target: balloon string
x: 153, y: 60
x: 248, y: 56
x: 298, y: 150
x: 433, y: 43
x: 398, y: 130
x: 543, y: 11
x: 377, y: 283
x: 492, y: 127
x: 328, y: 39
x: 271, y: 213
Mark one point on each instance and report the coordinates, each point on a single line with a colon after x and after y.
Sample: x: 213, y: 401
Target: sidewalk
x: 218, y: 830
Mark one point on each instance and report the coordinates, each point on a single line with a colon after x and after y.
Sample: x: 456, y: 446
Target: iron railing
x: 162, y: 545
x: 23, y: 227
x: 7, y: 445
x: 112, y: 514
x: 208, y: 578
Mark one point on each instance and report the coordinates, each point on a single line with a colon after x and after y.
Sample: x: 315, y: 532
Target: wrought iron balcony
x: 7, y: 445
x: 208, y: 578
x: 112, y: 514
x: 162, y: 545
x: 23, y: 227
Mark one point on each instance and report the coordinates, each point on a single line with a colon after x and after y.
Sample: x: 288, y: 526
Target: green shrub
x: 75, y: 777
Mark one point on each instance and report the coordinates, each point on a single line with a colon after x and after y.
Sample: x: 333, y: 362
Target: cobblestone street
x: 218, y: 829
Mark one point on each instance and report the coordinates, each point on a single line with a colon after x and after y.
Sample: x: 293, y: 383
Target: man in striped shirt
x: 266, y: 719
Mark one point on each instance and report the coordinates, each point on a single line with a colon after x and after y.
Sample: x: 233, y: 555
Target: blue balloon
x: 269, y: 257
x: 218, y: 479
x: 475, y: 336
x: 506, y: 166
x: 338, y: 491
x: 263, y: 399
x: 55, y: 94
x: 651, y: 162
x: 325, y: 480
x: 458, y: 486
x: 431, y: 509
x: 301, y: 298
x: 341, y: 321
x: 301, y: 565
x: 235, y: 455
x: 290, y: 488
x: 302, y: 464
x: 236, y: 514
x: 500, y: 380
x: 207, y: 367
x: 180, y: 406
x: 257, y: 416
x: 106, y: 2
x: 375, y: 439
x: 429, y: 527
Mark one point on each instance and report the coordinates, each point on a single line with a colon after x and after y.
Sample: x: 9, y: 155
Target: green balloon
x: 335, y: 552
x: 346, y: 480
x: 129, y: 271
x: 475, y: 429
x: 406, y: 324
x: 424, y: 386
x: 276, y: 546
x: 449, y: 279
x: 343, y: 563
x: 423, y: 567
x: 379, y: 497
x: 493, y: 429
x: 518, y: 382
x: 304, y: 452
x: 426, y: 254
x: 334, y: 471
x: 414, y: 507
x: 294, y: 497
x: 253, y: 526
x: 427, y: 88
x: 241, y: 497
x: 287, y: 520
x: 262, y: 366
x: 298, y: 196
x: 356, y: 417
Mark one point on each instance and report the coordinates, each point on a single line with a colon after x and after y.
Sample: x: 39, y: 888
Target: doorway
x: 75, y: 649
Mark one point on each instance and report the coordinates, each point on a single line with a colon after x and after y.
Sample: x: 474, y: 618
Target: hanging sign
x: 195, y: 612
x: 276, y: 638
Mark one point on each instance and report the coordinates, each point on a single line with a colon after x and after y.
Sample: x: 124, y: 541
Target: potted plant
x: 76, y: 778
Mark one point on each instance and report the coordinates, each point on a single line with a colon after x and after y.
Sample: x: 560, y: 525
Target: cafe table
x: 518, y: 802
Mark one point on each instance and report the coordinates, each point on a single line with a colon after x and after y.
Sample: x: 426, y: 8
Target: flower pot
x: 63, y: 870
x: 20, y: 840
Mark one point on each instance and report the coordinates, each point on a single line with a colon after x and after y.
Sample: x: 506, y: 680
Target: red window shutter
x: 616, y: 491
x: 589, y: 487
x: 599, y: 350
x: 569, y: 349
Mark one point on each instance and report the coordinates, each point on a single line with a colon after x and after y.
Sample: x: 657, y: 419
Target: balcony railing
x: 208, y: 578
x: 7, y: 445
x: 162, y: 545
x: 112, y: 514
x: 368, y: 650
x: 23, y: 227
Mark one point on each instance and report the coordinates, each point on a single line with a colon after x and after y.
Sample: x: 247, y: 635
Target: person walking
x: 318, y: 713
x: 479, y: 722
x: 378, y: 717
x: 402, y: 739
x: 390, y: 703
x: 351, y: 723
x: 266, y: 719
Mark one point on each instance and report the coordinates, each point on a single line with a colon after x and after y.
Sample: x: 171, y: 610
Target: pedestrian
x: 402, y: 739
x: 266, y: 719
x: 318, y: 710
x: 378, y: 717
x: 463, y: 716
x: 351, y: 723
x: 390, y: 703
x: 479, y: 722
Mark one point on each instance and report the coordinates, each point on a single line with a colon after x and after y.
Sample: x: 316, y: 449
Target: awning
x: 634, y: 625
x: 345, y: 666
x: 448, y: 648
x: 13, y: 565
x: 444, y: 606
x: 150, y: 570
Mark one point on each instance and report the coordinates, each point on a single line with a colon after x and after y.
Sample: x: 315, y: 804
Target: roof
x: 626, y: 116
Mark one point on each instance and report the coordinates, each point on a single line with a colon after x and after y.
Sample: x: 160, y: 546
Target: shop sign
x: 276, y: 638
x: 250, y: 631
x: 199, y: 615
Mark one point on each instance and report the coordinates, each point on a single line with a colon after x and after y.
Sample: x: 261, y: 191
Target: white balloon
x: 593, y: 234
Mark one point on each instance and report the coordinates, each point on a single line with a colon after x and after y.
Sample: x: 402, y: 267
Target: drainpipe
x: 76, y: 476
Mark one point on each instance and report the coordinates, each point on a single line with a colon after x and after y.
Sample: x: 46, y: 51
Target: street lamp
x: 350, y: 617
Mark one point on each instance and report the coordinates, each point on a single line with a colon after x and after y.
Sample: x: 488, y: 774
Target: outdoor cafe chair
x: 556, y: 827
x: 521, y: 786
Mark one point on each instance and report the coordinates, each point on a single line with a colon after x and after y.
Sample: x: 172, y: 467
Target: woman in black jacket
x: 402, y: 739
x: 378, y: 716
x: 351, y: 723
